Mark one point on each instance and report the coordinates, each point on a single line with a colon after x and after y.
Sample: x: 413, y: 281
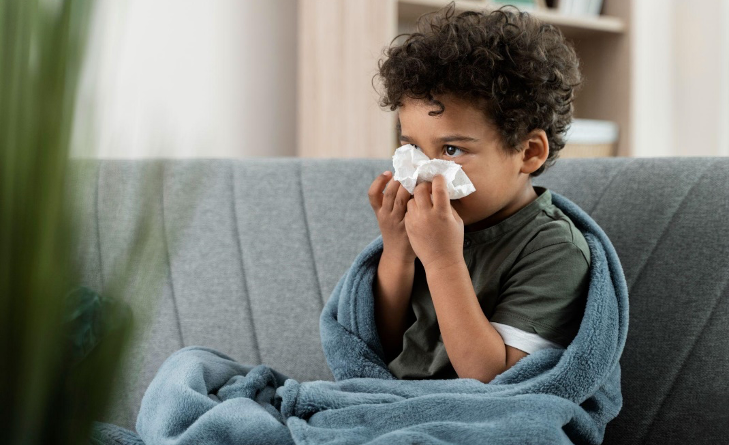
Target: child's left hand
x: 434, y: 227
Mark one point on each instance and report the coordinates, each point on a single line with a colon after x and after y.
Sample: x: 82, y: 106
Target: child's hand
x: 390, y: 210
x: 434, y: 228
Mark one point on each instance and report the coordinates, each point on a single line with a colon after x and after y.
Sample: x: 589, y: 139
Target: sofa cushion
x: 251, y: 249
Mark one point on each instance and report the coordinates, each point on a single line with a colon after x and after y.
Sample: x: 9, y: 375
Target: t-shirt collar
x: 518, y: 219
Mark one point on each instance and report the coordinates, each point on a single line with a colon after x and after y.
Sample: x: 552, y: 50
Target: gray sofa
x: 251, y: 249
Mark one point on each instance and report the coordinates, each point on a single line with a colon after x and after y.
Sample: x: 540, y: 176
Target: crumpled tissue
x: 413, y: 167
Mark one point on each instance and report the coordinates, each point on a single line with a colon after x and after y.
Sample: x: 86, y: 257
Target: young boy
x: 466, y: 288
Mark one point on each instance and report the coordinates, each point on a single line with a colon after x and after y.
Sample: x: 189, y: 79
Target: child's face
x: 463, y: 135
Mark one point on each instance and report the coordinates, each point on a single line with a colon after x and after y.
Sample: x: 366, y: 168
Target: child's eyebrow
x: 449, y: 138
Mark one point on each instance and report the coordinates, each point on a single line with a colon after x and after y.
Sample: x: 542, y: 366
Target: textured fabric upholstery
x: 250, y: 250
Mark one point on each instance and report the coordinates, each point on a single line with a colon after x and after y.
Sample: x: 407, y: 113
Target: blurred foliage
x: 49, y: 394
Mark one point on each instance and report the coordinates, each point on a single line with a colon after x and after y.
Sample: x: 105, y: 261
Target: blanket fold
x: 202, y: 396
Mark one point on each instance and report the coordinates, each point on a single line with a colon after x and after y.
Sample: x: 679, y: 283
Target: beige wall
x: 681, y: 77
x: 190, y: 78
x: 340, y: 42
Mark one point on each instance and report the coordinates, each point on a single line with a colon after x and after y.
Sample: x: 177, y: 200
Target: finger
x: 412, y: 206
x: 456, y: 215
x: 389, y: 197
x: 401, y: 200
x: 375, y: 191
x: 441, y: 201
x: 422, y: 195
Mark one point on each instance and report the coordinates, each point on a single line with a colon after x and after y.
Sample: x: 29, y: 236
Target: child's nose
x: 431, y: 154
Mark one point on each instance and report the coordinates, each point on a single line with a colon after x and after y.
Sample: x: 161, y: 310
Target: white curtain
x: 189, y: 78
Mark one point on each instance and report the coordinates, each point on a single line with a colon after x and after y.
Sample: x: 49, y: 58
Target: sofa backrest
x: 251, y: 249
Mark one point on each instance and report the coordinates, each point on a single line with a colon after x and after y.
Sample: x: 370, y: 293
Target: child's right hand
x: 390, y: 210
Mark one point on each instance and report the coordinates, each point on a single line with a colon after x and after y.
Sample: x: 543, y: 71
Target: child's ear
x: 535, y: 150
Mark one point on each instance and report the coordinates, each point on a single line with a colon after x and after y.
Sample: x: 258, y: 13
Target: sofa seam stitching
x: 308, y: 236
x: 234, y: 202
x: 639, y: 275
x: 685, y: 359
x: 609, y: 184
x: 169, y: 261
x: 98, y: 227
x: 667, y: 226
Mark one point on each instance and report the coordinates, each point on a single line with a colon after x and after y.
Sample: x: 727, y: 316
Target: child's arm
x: 474, y: 347
x: 393, y: 286
x: 396, y: 270
x: 435, y: 232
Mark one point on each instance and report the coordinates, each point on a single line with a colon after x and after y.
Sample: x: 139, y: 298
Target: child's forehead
x: 444, y: 108
x: 455, y: 115
x: 446, y: 99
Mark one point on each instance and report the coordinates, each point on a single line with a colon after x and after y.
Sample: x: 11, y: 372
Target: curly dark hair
x: 521, y: 72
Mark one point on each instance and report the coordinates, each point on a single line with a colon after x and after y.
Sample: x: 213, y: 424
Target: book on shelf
x: 589, y: 8
x: 592, y: 131
x: 579, y: 7
x: 523, y: 5
x: 590, y: 138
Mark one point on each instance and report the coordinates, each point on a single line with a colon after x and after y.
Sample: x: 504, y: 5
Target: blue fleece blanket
x: 201, y: 396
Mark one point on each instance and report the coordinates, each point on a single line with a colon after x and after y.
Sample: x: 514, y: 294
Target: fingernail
x: 386, y: 172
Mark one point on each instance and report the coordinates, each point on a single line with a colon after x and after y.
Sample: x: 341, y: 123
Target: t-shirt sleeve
x: 545, y: 293
x: 525, y: 341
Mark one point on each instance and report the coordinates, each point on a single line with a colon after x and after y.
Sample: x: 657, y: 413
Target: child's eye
x: 453, y: 151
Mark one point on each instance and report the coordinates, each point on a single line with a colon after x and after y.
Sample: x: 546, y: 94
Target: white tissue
x: 413, y: 167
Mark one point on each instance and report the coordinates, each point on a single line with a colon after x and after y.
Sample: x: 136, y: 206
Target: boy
x: 466, y: 288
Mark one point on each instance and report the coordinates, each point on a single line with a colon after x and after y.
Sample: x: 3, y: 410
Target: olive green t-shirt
x: 529, y: 271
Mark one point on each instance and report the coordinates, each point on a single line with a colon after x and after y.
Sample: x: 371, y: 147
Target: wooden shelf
x: 602, y: 44
x: 340, y: 42
x: 571, y: 26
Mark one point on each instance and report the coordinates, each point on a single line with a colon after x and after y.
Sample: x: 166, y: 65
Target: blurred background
x: 243, y: 78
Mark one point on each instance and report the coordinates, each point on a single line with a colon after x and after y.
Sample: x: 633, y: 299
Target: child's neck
x: 521, y: 200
